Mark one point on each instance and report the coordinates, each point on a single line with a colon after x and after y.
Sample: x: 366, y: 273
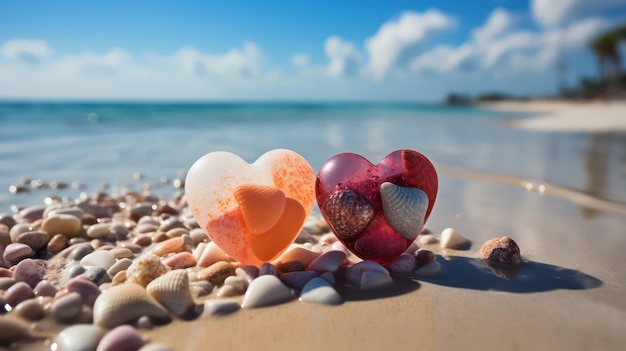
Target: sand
x: 569, y: 294
x: 558, y: 115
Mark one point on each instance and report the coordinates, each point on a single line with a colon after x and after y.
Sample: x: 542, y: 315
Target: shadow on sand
x: 472, y: 273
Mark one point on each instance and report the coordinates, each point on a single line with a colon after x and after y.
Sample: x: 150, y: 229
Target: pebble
x: 37, y: 240
x: 79, y: 337
x: 65, y: 224
x: 6, y: 282
x: 247, y: 272
x: 57, y: 243
x: 168, y: 246
x: 16, y: 252
x: 239, y: 284
x: 299, y: 253
x: 329, y: 277
x: 18, y: 230
x: 372, y: 280
x: 198, y: 235
x: 268, y: 268
x: 403, y: 265
x: 30, y: 309
x: 501, y: 250
x: 97, y: 275
x: 427, y: 239
x: 74, y: 211
x: 45, y: 288
x: 227, y: 291
x: 67, y: 308
x: 217, y: 272
x: 31, y: 213
x: 219, y: 307
x: 95, y: 210
x: 121, y: 338
x: 318, y: 290
x: 99, y: 230
x: 266, y: 290
x: 297, y: 280
x: 7, y: 220
x: 327, y: 262
x: 100, y: 258
x: 12, y: 329
x: 422, y: 257
x: 80, y: 251
x: 290, y: 266
x: 120, y: 265
x: 452, y: 239
x: 29, y: 271
x: 181, y: 260
x: 121, y: 252
x: 354, y: 273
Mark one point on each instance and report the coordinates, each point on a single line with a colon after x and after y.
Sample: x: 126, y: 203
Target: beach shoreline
x: 566, y: 116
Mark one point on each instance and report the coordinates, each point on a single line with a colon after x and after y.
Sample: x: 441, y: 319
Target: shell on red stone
x: 348, y: 192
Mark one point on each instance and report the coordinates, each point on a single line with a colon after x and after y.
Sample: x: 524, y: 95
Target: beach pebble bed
x: 95, y: 272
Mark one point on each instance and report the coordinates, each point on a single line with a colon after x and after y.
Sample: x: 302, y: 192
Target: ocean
x: 106, y: 144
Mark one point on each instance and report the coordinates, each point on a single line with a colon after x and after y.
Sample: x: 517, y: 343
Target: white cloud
x: 29, y: 51
x: 499, y: 22
x: 300, y: 60
x: 443, y: 58
x: 344, y: 59
x: 557, y: 12
x: 392, y: 45
x: 234, y: 63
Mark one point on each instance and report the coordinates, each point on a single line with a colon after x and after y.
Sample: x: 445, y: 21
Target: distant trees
x: 606, y: 48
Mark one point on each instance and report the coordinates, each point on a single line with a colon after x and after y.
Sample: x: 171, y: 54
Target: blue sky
x: 294, y: 50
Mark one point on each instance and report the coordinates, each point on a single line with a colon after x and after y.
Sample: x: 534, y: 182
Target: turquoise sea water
x: 96, y: 143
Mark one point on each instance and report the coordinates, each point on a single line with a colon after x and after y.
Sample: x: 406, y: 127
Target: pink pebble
x: 180, y: 260
x: 5, y: 273
x: 17, y: 293
x: 87, y: 290
x: 122, y: 338
x: 16, y: 252
x: 29, y: 271
x: 45, y: 288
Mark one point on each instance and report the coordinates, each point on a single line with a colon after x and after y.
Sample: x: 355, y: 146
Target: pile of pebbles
x: 98, y: 271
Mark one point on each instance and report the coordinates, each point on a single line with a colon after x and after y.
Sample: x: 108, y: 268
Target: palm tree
x: 606, y: 48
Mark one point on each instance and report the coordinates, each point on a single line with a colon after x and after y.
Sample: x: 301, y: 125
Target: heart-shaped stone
x: 253, y: 212
x: 377, y: 211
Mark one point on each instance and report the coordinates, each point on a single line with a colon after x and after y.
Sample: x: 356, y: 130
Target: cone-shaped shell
x: 172, y: 291
x: 261, y: 206
x: 124, y: 303
x: 404, y: 208
x: 348, y: 213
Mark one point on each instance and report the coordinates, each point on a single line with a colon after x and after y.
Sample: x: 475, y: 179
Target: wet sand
x: 569, y: 295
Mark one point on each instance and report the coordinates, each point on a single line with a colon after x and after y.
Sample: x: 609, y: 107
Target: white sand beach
x: 559, y: 115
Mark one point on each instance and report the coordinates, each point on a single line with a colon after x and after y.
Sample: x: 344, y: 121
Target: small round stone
x: 37, y: 240
x: 80, y: 251
x: 217, y: 272
x: 65, y: 224
x: 501, y: 250
x: 29, y: 271
x: 30, y: 309
x: 16, y: 252
x: 57, y: 243
x: 67, y: 308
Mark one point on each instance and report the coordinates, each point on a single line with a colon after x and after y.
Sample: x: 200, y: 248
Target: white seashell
x: 124, y: 303
x: 172, y: 291
x: 318, y: 290
x: 404, y: 208
x: 403, y: 265
x: 212, y: 254
x: 327, y: 262
x: 266, y: 290
x: 353, y: 273
x: 220, y: 307
x: 371, y: 280
x: 431, y: 269
x: 452, y: 239
x: 101, y: 258
x: 80, y: 337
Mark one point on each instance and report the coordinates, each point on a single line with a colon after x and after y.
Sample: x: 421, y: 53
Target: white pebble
x: 452, y: 239
x: 219, y: 307
x: 318, y: 290
x: 80, y: 337
x: 266, y: 290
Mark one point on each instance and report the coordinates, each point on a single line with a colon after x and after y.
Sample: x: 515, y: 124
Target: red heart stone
x: 376, y: 211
